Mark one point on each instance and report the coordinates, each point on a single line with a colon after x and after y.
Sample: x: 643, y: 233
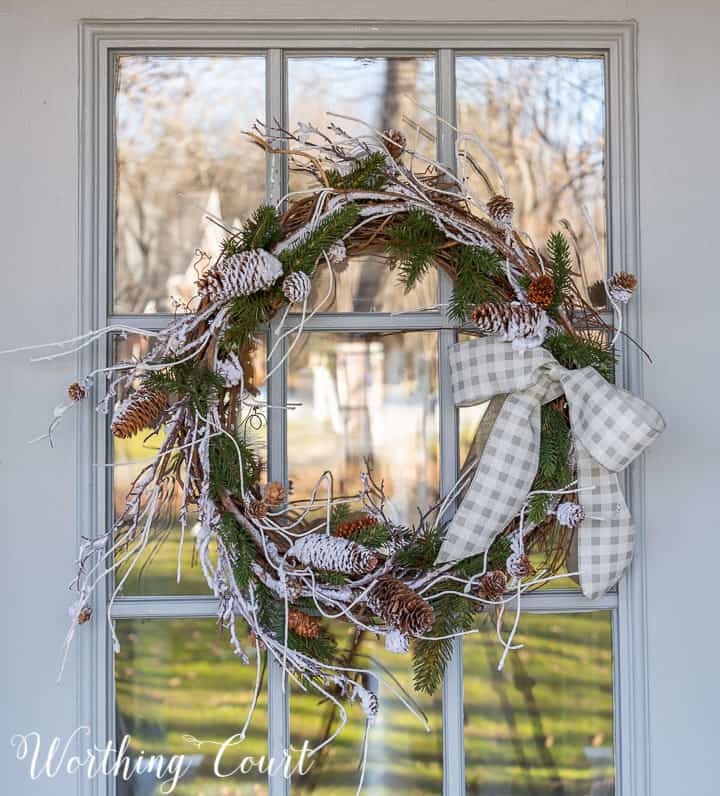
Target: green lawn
x: 542, y: 726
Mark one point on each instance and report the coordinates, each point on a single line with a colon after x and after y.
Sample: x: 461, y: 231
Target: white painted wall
x: 679, y: 64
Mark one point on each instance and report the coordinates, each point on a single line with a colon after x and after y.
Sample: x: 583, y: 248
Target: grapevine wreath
x: 542, y: 477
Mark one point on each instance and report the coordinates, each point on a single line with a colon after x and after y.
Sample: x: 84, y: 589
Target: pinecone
x: 240, y: 275
x: 518, y: 565
x: 621, y: 286
x: 141, y: 410
x: 525, y: 325
x: 500, y: 209
x: 395, y: 142
x: 296, y: 287
x: 351, y: 527
x: 334, y: 554
x: 76, y: 391
x: 256, y: 508
x: 542, y: 290
x: 85, y: 615
x: 302, y: 624
x: 570, y: 514
x: 274, y: 493
x: 400, y: 607
x: 337, y: 254
x: 492, y: 585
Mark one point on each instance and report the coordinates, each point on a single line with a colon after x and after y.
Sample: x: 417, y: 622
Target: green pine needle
x: 241, y: 548
x: 554, y: 471
x: 412, y: 246
x: 558, y: 251
x: 367, y: 174
x: 304, y: 255
x: 225, y: 466
x: 476, y: 269
x: 422, y: 550
x: 263, y: 229
x: 195, y: 381
x: 580, y: 352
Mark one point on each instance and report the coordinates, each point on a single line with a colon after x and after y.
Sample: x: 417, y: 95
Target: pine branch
x: 412, y: 246
x: 554, y: 471
x: 558, y: 251
x: 241, y: 548
x: 224, y: 475
x: 366, y: 174
x: 195, y: 381
x: 422, y: 550
x: 430, y: 658
x: 304, y: 255
x: 373, y: 536
x: 580, y: 352
x: 263, y: 229
x: 246, y: 314
x: 271, y: 615
x: 475, y: 272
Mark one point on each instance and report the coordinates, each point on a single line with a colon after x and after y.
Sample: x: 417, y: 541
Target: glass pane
x: 179, y: 680
x: 543, y: 118
x: 402, y: 757
x: 385, y: 93
x: 180, y: 154
x: 544, y: 725
x: 155, y: 571
x: 366, y: 397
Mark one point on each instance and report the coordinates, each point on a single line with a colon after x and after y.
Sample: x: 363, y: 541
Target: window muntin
x: 354, y: 315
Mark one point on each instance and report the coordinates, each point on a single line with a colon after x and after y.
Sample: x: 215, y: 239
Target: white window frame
x: 99, y: 41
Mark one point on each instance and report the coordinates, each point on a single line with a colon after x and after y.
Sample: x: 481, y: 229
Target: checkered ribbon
x: 610, y: 428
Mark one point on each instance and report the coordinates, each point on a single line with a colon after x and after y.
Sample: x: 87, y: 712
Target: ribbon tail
x: 606, y: 537
x: 501, y: 482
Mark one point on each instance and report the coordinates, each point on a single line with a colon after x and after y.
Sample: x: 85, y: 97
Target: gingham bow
x: 610, y: 428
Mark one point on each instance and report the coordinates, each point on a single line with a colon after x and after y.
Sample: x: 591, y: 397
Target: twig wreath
x: 543, y: 474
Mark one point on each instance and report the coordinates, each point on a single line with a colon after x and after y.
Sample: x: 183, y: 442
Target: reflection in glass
x: 178, y: 678
x: 180, y: 153
x: 402, y: 757
x: 385, y: 93
x: 544, y: 725
x: 543, y: 118
x: 155, y: 572
x: 366, y: 397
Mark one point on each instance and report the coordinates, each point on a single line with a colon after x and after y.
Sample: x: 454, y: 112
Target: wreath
x: 542, y: 478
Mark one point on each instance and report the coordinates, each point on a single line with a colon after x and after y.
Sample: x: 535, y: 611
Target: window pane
x: 180, y: 153
x: 402, y: 757
x: 366, y: 397
x: 176, y: 679
x: 543, y: 118
x: 155, y: 571
x: 382, y: 92
x: 544, y: 725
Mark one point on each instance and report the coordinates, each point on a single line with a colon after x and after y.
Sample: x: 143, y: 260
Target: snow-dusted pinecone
x: 302, y: 624
x: 230, y: 369
x: 337, y: 254
x: 525, y: 325
x: 334, y: 554
x: 395, y: 142
x: 570, y: 514
x: 368, y: 701
x: 141, y: 410
x: 542, y: 290
x: 76, y: 391
x: 518, y: 565
x: 400, y: 607
x: 492, y: 585
x: 85, y: 615
x: 621, y: 286
x: 241, y: 275
x: 500, y: 209
x: 296, y: 287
